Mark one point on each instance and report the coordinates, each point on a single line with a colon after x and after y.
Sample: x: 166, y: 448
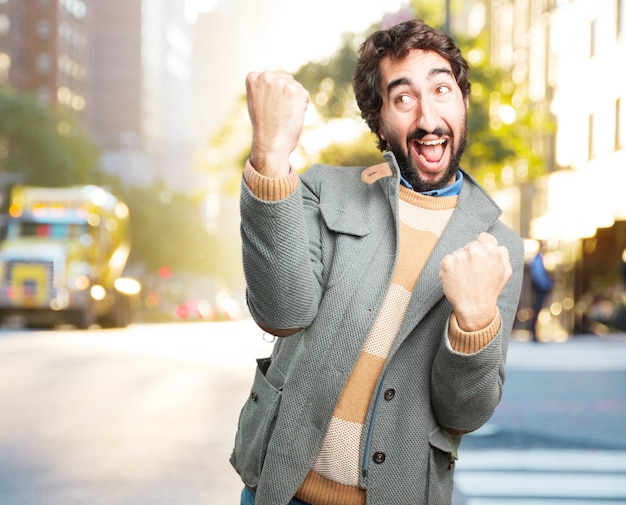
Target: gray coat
x: 322, y: 259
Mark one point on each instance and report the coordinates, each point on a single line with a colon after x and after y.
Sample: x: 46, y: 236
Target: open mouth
x: 431, y: 151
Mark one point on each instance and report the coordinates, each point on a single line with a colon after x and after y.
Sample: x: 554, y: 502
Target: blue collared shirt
x: 451, y: 190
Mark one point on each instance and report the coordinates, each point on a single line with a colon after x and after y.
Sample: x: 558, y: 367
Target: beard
x: 410, y: 172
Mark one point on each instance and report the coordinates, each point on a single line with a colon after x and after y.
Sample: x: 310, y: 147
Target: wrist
x: 269, y: 164
x: 475, y: 322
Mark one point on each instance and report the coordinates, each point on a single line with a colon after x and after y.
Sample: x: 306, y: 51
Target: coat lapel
x: 475, y: 212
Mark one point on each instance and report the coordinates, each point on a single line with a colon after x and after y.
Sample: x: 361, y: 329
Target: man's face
x: 423, y: 118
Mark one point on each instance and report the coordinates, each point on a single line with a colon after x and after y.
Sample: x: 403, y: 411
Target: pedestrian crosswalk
x: 540, y: 477
x: 578, y: 354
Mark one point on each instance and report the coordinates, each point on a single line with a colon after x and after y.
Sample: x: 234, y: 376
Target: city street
x: 558, y: 436
x: 147, y: 415
x: 142, y: 416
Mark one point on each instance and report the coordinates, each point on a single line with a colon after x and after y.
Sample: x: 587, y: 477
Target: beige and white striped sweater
x: 334, y: 477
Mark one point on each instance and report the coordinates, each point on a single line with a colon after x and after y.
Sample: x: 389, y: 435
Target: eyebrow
x: 405, y: 81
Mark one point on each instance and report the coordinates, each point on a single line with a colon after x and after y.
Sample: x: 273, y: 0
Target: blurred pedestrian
x: 393, y: 289
x: 623, y: 267
x: 542, y: 284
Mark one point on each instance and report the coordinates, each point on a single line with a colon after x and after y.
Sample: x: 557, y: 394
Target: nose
x: 428, y: 119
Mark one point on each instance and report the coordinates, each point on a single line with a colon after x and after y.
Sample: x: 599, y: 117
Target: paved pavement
x: 558, y: 436
x: 141, y: 416
x: 148, y: 415
x: 541, y: 477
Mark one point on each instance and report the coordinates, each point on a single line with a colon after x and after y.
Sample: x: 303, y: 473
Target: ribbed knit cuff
x: 469, y: 342
x: 268, y: 188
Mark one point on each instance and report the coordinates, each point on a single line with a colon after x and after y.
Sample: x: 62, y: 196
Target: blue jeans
x: 247, y: 498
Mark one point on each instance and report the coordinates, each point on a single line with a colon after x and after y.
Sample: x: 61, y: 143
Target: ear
x: 382, y: 136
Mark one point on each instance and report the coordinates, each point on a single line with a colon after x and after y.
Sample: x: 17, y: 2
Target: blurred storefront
x: 562, y: 56
x: 580, y: 218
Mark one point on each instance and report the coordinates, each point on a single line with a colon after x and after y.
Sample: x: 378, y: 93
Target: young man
x: 393, y: 289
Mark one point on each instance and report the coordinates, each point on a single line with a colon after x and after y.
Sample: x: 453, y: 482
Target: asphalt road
x: 147, y: 416
x: 558, y: 436
x: 142, y: 416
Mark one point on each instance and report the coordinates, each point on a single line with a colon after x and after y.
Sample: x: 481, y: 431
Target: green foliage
x: 330, y: 85
x: 41, y: 146
x: 330, y: 82
x: 167, y: 229
x: 500, y: 149
x: 432, y: 12
x: 360, y: 153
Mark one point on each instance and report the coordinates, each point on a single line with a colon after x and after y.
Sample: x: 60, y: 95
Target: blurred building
x: 566, y: 56
x: 122, y: 66
x: 141, y: 79
x: 45, y: 50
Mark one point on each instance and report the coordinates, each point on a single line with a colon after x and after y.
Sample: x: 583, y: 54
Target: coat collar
x: 472, y: 195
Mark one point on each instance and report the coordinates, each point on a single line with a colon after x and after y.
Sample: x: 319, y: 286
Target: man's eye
x: 403, y: 99
x: 442, y: 90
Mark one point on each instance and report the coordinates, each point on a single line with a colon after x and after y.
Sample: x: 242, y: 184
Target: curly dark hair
x: 395, y: 43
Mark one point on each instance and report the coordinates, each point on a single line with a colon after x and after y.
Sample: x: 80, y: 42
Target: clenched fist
x: 472, y: 278
x: 276, y: 105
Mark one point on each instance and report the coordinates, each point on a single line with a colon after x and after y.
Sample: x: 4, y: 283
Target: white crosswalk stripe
x: 581, y: 355
x: 540, y: 477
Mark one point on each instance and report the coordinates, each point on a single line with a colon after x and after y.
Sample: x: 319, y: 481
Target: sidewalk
x: 524, y: 336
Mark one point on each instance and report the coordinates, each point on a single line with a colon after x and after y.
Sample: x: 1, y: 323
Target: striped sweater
x: 334, y: 477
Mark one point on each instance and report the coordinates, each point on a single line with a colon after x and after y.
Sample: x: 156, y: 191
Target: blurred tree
x: 360, y: 152
x: 43, y: 146
x: 227, y: 150
x: 330, y: 81
x: 501, y: 123
x: 167, y: 229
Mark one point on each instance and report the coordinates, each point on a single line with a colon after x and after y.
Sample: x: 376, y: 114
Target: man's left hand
x: 472, y: 278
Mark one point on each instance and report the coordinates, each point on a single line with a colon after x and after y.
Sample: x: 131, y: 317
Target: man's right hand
x: 276, y: 104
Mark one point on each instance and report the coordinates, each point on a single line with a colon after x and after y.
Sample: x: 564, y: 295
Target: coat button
x: 379, y: 457
x: 389, y: 394
x: 254, y: 396
x: 451, y: 465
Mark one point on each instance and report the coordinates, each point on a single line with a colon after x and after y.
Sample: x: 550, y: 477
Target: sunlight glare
x: 194, y: 7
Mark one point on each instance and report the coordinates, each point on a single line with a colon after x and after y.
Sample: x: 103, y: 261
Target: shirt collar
x: 451, y: 190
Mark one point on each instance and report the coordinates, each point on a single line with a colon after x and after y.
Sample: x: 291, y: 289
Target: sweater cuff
x: 469, y: 342
x: 268, y: 188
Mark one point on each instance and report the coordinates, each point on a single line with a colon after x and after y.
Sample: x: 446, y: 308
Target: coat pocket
x: 441, y: 460
x: 256, y: 423
x: 347, y: 232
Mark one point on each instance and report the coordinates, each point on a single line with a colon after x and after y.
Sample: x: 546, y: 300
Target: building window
x: 44, y: 29
x: 592, y: 39
x: 77, y: 8
x: 590, y: 138
x: 44, y: 63
x: 618, y: 124
x: 5, y: 24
